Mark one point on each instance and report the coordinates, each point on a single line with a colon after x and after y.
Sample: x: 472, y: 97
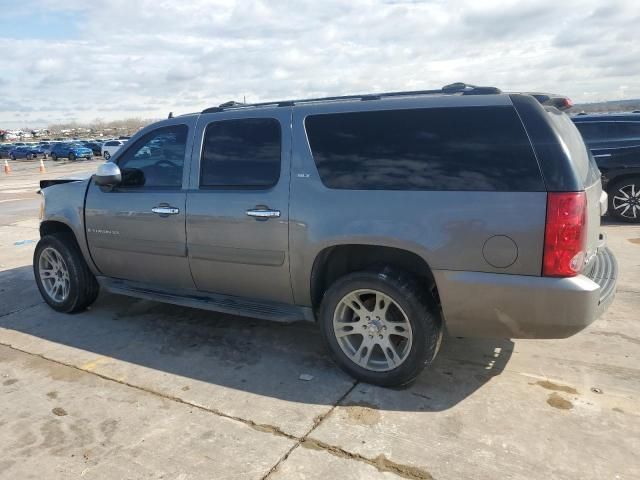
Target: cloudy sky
x: 66, y: 60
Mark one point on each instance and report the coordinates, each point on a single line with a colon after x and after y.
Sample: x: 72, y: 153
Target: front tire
x: 62, y: 275
x: 106, y: 155
x: 381, y: 327
x: 624, y: 200
x: 54, y: 157
x: 72, y: 157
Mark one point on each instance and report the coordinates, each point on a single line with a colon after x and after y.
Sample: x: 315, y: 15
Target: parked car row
x: 614, y: 141
x: 73, y: 149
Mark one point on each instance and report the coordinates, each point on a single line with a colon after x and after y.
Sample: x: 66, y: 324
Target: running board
x: 274, y: 311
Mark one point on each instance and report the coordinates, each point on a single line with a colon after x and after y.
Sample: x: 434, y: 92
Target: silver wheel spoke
x: 390, y: 353
x: 364, y: 352
x: 382, y: 305
x: 354, y: 303
x: 47, y: 273
x: 346, y: 331
x: 400, y: 332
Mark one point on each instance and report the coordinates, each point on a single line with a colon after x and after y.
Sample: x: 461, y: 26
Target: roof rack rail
x: 453, y: 88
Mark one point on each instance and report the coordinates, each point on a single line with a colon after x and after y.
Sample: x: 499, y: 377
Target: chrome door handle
x: 263, y: 213
x: 165, y: 210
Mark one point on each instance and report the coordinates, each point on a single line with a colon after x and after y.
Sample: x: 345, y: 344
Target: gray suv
x: 385, y: 218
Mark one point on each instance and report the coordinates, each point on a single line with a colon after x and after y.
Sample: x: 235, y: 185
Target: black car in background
x: 96, y: 147
x: 614, y: 141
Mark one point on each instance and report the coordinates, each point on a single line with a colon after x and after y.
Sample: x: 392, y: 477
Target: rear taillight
x: 565, y: 234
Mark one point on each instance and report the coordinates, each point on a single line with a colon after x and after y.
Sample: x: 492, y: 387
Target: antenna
x: 170, y: 115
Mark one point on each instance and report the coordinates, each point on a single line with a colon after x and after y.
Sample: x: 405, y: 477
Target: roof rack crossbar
x: 460, y: 88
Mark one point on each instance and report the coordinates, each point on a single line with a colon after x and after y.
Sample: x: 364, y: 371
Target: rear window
x: 464, y: 148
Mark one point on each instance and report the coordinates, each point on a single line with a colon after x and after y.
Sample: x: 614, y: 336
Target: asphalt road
x: 137, y: 389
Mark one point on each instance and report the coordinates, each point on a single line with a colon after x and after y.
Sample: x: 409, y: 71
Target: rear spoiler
x: 47, y: 183
x: 552, y: 100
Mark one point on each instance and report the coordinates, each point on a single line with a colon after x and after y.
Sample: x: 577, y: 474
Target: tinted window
x: 594, y: 131
x: 111, y: 144
x: 155, y: 160
x: 469, y: 148
x: 241, y: 153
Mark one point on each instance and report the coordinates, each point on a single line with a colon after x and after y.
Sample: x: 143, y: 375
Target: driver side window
x: 155, y: 160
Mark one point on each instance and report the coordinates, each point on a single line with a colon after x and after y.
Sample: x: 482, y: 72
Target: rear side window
x: 241, y: 153
x: 464, y: 148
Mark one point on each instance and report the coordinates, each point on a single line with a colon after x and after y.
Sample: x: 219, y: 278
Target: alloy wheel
x: 626, y: 201
x: 372, y: 330
x: 54, y: 274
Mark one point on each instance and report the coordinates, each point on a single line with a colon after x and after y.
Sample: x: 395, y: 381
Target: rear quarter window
x: 462, y: 148
x: 581, y: 159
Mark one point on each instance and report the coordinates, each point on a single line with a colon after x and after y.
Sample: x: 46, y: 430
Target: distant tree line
x: 129, y: 125
x: 603, y: 107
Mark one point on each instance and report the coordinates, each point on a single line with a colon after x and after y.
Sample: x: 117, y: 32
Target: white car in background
x: 110, y: 147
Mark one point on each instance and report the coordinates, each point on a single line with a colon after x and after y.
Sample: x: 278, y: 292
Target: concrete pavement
x: 137, y: 389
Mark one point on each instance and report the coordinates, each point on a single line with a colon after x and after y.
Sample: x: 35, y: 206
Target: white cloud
x: 149, y: 57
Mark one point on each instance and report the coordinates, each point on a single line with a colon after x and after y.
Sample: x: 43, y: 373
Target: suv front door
x: 238, y: 204
x: 136, y: 231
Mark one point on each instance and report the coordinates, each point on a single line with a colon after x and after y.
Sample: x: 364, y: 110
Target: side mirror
x: 108, y: 175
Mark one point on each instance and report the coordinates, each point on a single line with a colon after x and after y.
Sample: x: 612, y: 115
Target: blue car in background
x: 23, y: 152
x: 72, y: 151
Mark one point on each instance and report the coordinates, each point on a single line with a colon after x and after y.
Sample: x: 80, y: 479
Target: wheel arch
x: 335, y: 261
x: 622, y: 175
x: 51, y: 227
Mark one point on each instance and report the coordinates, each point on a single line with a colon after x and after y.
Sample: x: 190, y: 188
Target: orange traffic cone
x: 42, y: 169
x: 7, y: 168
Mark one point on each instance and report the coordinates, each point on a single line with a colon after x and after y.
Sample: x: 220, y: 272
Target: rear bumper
x: 477, y: 304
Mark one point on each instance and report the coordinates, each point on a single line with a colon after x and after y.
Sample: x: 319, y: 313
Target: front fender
x: 64, y: 203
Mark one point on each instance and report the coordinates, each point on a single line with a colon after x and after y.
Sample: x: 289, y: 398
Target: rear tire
x: 12, y: 157
x: 57, y: 260
x: 72, y: 157
x: 400, y: 321
x: 54, y: 157
x: 106, y: 155
x: 624, y: 200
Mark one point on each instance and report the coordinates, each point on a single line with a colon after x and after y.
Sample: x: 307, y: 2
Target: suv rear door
x: 238, y: 204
